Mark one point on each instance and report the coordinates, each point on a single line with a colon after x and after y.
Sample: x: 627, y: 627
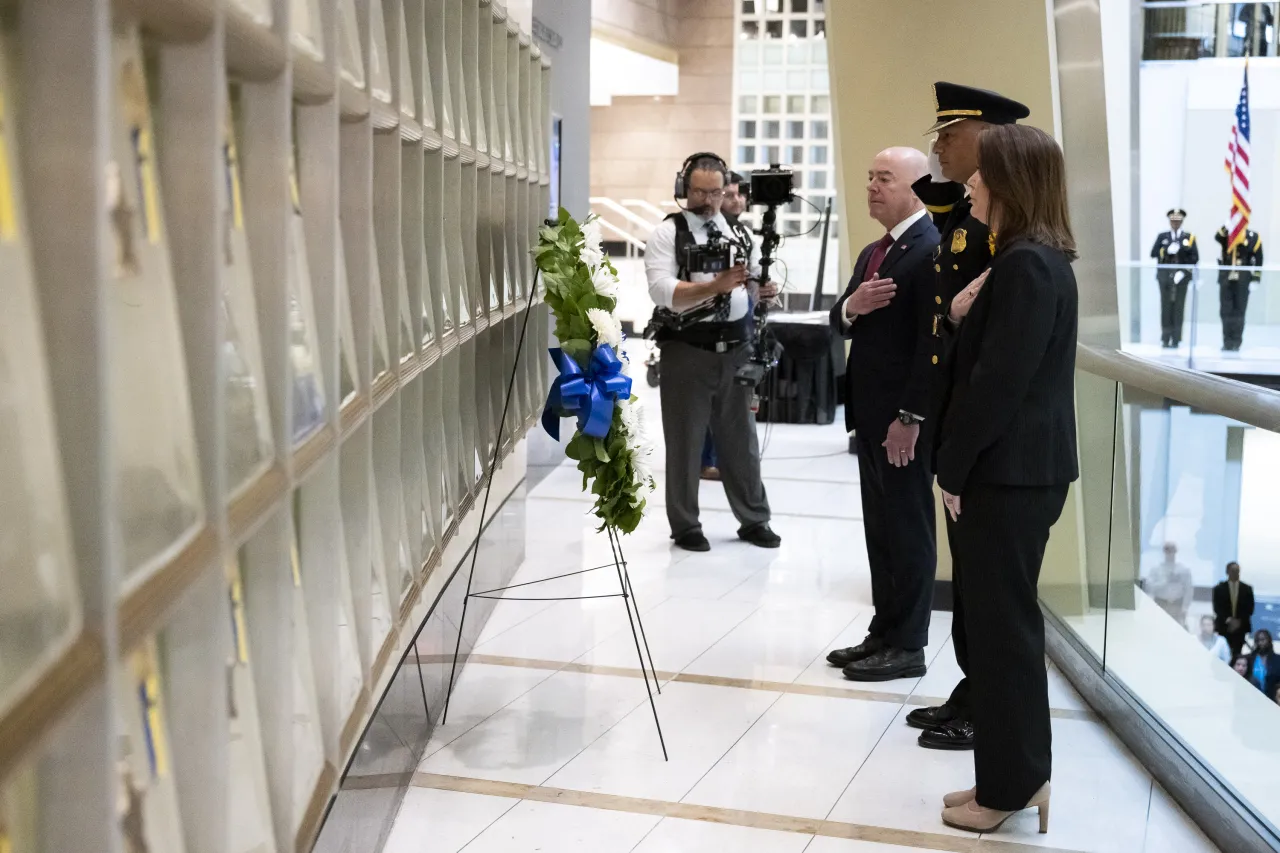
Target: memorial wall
x: 266, y: 274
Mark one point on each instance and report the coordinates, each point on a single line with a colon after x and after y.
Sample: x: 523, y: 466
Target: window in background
x: 750, y: 29
x: 793, y: 86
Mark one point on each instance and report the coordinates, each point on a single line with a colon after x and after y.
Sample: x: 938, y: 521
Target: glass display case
x: 408, y: 91
x: 310, y: 409
x: 39, y: 599
x: 147, y: 798
x: 159, y: 505
x: 379, y: 56
x: 381, y: 349
x: 348, y: 383
x: 383, y: 593
x: 350, y: 669
x: 249, y: 447
x: 308, y: 743
x: 248, y: 807
x: 351, y: 54
x: 307, y: 20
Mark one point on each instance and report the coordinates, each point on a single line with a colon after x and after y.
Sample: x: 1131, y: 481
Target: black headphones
x: 686, y: 171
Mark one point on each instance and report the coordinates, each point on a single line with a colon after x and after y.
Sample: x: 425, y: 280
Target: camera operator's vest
x: 665, y: 324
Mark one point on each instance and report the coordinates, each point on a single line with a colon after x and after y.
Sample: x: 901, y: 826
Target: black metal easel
x: 619, y: 564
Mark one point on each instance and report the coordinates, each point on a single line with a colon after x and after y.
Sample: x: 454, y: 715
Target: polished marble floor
x: 550, y: 743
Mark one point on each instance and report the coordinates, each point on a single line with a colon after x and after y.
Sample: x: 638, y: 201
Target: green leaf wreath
x: 581, y: 286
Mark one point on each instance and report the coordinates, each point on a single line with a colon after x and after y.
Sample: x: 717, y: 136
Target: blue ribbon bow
x: 590, y: 394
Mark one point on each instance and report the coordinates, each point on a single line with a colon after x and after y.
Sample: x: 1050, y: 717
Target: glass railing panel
x: 1192, y: 493
x: 1228, y: 325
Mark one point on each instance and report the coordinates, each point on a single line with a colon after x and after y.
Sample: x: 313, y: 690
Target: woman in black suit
x: 1006, y: 455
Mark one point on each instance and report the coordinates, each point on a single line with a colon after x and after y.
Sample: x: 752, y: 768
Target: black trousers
x: 1001, y: 537
x: 959, y: 699
x: 1233, y: 301
x: 1235, y: 642
x: 898, y: 515
x: 1173, y: 303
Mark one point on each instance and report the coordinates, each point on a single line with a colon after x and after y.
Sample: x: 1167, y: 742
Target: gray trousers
x: 698, y: 391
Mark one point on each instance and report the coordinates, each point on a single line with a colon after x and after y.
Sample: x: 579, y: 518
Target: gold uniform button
x: 937, y: 299
x: 937, y: 267
x: 935, y: 359
x: 955, y: 266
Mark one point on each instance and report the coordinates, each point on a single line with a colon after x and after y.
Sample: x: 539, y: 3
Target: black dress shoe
x: 931, y: 718
x: 694, y: 541
x: 760, y: 535
x: 955, y: 735
x: 853, y: 654
x: 886, y: 665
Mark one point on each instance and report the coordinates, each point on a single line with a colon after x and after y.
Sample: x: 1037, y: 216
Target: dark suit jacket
x: 1272, y: 678
x: 890, y: 365
x: 1010, y: 419
x: 1222, y: 607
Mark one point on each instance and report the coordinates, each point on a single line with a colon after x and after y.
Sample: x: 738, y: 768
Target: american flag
x: 1238, y: 167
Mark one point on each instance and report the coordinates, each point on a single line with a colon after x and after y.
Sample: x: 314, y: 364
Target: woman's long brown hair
x: 1026, y: 175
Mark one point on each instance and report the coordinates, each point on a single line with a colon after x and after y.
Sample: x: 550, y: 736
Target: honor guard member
x: 1177, y: 254
x: 1234, y: 283
x: 964, y: 251
x: 703, y: 322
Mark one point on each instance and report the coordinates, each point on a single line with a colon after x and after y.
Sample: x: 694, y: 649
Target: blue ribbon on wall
x: 589, y: 394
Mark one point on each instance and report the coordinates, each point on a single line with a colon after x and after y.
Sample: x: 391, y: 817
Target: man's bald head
x: 890, y: 199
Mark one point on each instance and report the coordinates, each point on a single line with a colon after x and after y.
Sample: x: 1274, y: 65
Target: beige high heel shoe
x: 974, y: 818
x: 959, y: 798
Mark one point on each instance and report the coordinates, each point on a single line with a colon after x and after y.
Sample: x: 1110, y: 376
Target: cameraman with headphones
x: 704, y: 332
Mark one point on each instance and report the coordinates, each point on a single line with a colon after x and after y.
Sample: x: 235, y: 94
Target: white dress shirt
x: 1173, y: 588
x: 661, y: 264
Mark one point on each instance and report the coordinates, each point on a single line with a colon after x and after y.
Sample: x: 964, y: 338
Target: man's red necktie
x: 877, y: 256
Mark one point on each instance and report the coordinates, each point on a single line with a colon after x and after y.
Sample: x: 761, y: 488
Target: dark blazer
x: 1222, y: 607
x: 1010, y: 419
x: 1186, y: 253
x: 1272, y: 678
x: 890, y: 366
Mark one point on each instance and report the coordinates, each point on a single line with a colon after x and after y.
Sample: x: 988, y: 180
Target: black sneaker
x: 932, y: 718
x: 760, y: 535
x: 694, y: 541
x: 853, y: 654
x: 955, y: 735
x: 886, y: 665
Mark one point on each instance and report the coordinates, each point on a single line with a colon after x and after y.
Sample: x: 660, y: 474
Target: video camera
x: 712, y: 257
x: 771, y: 187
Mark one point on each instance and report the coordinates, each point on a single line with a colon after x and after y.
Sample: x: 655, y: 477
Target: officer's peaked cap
x: 955, y: 103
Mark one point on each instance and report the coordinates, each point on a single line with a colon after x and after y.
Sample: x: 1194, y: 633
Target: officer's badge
x: 959, y: 241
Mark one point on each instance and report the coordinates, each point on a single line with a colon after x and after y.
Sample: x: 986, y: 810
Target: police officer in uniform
x: 963, y: 254
x: 1173, y: 249
x: 1234, y: 283
x: 704, y: 330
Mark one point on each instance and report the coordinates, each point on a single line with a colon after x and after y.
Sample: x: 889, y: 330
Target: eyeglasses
x: 706, y: 193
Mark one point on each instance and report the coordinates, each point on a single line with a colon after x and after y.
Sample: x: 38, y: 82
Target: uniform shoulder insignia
x: 1257, y: 242
x: 959, y: 240
x: 1191, y: 239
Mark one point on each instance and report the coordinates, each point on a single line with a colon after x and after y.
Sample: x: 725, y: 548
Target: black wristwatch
x: 907, y: 419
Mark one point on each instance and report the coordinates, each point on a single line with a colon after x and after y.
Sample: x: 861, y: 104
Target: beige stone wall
x: 637, y: 144
x: 885, y: 56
